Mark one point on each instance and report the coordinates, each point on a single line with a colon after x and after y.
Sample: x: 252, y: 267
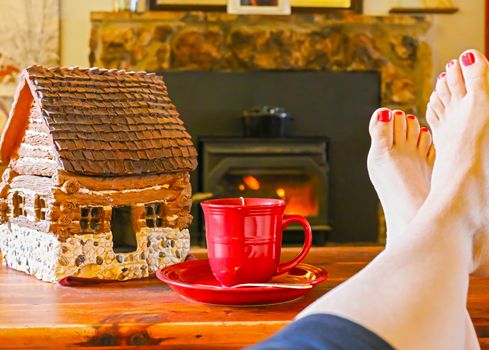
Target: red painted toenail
x: 468, y: 59
x: 384, y: 116
x: 399, y: 113
x: 451, y: 64
x: 410, y: 116
x: 424, y: 129
x: 442, y: 75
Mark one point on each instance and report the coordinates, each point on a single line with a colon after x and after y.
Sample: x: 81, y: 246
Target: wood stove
x: 294, y: 169
x: 332, y: 105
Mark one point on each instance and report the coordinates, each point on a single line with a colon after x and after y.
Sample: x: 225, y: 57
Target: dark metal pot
x: 265, y: 121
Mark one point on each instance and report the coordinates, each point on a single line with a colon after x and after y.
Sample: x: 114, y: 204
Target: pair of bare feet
x: 402, y: 164
x: 401, y: 160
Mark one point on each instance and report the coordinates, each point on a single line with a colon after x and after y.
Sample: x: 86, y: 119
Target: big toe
x: 382, y: 128
x: 474, y: 69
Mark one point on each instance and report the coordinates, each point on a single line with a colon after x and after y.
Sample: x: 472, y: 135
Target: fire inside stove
x: 294, y: 186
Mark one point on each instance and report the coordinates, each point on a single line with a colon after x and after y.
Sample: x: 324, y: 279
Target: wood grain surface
x: 35, y: 315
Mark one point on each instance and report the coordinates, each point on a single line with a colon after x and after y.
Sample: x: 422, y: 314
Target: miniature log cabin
x: 97, y: 183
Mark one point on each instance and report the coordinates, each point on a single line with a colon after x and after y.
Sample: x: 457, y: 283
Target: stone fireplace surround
x: 394, y: 46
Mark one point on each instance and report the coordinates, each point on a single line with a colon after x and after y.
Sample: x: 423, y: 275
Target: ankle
x: 462, y: 196
x: 450, y: 249
x: 479, y: 253
x: 450, y: 217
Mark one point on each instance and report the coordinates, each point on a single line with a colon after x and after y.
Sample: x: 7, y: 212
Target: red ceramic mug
x: 244, y: 241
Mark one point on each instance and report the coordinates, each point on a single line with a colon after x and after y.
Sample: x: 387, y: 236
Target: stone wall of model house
x: 63, y: 204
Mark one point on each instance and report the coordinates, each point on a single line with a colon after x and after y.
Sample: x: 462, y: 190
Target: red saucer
x: 194, y: 280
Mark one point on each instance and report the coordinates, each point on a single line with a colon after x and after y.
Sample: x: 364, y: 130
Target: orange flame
x: 280, y: 193
x: 252, y: 182
x: 302, y: 199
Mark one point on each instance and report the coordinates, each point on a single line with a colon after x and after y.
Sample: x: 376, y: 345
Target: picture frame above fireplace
x: 259, y: 7
x: 216, y: 5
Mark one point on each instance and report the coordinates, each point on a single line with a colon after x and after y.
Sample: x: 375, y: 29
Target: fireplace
x: 294, y: 169
x: 330, y: 69
x: 324, y: 105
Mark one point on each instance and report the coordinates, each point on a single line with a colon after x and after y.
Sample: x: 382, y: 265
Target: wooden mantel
x: 35, y: 314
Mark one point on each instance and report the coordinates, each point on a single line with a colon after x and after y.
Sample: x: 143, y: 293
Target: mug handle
x: 287, y: 220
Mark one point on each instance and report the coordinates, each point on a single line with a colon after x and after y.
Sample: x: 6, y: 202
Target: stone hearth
x: 395, y: 46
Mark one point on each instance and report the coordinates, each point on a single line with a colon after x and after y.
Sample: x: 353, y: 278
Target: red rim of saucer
x: 162, y: 275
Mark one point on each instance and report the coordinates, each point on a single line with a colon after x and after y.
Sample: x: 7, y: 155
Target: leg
x: 411, y: 288
x: 434, y: 256
x: 471, y: 340
x: 440, y: 100
x: 400, y: 163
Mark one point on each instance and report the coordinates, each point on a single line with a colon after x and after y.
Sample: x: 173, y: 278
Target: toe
x: 431, y: 116
x: 431, y: 155
x: 382, y: 128
x: 455, y: 79
x: 474, y: 69
x: 442, y: 90
x: 436, y: 105
x: 400, y: 127
x: 424, y: 142
x: 412, y: 126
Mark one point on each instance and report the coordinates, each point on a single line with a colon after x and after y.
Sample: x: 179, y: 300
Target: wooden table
x: 35, y: 314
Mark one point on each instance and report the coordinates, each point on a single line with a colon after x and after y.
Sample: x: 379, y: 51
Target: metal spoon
x: 278, y: 285
x: 274, y: 285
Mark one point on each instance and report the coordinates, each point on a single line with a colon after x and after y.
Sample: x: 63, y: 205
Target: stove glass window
x: 294, y: 185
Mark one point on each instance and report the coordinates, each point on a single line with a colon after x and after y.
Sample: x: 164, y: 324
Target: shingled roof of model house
x: 103, y: 122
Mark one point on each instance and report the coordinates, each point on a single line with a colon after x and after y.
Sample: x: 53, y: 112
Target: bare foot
x: 399, y: 163
x: 458, y: 107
